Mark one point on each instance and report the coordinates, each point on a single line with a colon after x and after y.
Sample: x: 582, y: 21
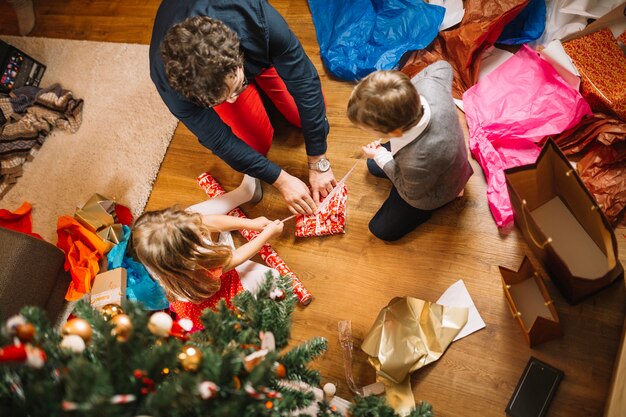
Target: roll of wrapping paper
x: 212, y: 188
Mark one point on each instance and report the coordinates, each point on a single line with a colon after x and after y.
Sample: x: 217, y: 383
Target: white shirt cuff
x: 382, y: 157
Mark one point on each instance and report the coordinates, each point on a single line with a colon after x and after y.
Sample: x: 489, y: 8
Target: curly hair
x: 174, y: 245
x: 385, y: 101
x: 199, y: 54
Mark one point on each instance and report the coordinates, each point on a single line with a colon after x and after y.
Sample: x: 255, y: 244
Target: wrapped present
x: 329, y: 219
x: 602, y: 67
x: 98, y: 216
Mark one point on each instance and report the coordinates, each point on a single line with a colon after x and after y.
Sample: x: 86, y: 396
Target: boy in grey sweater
x: 425, y: 157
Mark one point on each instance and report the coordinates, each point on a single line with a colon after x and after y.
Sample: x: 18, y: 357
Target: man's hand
x: 296, y: 194
x: 322, y: 183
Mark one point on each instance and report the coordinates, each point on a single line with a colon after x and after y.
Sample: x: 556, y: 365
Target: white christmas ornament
x: 160, y: 324
x: 73, y: 343
x: 329, y: 389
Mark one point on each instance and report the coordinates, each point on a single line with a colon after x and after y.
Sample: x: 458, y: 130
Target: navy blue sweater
x: 266, y: 41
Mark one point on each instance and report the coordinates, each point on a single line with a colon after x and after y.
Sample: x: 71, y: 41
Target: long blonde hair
x: 174, y: 245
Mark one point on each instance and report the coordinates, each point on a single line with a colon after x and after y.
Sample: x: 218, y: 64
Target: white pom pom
x: 160, y: 324
x: 186, y: 324
x: 73, y: 343
x: 207, y: 389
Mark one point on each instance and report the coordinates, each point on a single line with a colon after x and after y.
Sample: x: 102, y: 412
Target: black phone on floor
x: 535, y: 390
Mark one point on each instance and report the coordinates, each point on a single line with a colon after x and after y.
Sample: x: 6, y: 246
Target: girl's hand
x: 259, y: 223
x: 274, y: 228
x: 371, y: 149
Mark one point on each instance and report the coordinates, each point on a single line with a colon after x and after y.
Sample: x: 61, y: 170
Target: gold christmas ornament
x: 190, y: 358
x: 279, y: 370
x: 25, y: 332
x: 122, y: 327
x: 79, y: 327
x: 111, y: 310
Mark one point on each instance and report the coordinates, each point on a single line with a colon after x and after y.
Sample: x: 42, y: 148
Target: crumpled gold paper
x: 96, y: 216
x: 408, y: 334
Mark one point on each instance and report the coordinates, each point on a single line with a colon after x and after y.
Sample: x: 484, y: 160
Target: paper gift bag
x: 563, y: 225
x: 530, y: 303
x: 330, y: 218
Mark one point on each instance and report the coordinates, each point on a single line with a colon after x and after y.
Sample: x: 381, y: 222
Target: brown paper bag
x: 530, y: 303
x: 563, y: 225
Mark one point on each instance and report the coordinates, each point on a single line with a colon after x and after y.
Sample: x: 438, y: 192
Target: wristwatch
x: 321, y: 165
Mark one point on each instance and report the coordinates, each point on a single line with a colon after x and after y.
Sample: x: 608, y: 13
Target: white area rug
x: 119, y: 147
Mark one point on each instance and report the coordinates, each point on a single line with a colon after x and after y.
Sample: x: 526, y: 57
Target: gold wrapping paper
x: 408, y: 334
x: 96, y: 216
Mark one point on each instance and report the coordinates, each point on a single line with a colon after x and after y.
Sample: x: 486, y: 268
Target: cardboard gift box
x: 109, y: 288
x: 602, y: 67
x: 563, y: 225
x: 530, y: 303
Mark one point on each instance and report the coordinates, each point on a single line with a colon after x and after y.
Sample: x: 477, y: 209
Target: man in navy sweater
x: 208, y: 60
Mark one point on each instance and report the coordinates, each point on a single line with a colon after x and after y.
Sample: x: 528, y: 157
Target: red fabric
x: 270, y: 82
x: 124, y: 216
x: 231, y: 286
x: 330, y: 218
x: 247, y: 116
x: 19, y: 220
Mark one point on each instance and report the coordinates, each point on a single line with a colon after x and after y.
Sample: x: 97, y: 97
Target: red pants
x: 247, y: 116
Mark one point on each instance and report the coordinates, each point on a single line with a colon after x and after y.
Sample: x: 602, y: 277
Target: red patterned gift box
x: 330, y: 219
x: 602, y: 67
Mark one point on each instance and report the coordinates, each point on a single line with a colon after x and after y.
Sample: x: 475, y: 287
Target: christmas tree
x: 127, y: 363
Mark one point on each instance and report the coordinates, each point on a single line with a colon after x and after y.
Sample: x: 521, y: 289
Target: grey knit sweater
x: 431, y: 170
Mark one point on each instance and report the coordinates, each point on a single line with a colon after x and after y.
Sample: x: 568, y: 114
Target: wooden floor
x: 354, y: 275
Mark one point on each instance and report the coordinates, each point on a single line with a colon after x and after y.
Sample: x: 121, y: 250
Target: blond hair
x: 174, y: 245
x: 385, y: 101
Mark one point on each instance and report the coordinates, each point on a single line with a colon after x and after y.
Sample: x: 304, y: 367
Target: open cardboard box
x: 109, y: 288
x: 530, y: 303
x: 563, y: 225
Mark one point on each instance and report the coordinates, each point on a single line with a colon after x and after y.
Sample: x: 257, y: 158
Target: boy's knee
x: 375, y: 170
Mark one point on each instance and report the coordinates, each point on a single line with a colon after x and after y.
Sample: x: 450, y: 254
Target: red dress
x: 230, y: 286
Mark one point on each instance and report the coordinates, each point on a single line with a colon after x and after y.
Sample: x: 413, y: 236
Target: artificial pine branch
x: 373, y: 406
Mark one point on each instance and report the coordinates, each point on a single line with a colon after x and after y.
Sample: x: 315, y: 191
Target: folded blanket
x: 27, y: 117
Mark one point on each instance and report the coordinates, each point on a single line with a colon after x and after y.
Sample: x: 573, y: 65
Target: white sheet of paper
x: 459, y: 104
x: 457, y: 296
x: 589, y: 8
x: 491, y: 59
x: 454, y: 12
x: 562, y: 63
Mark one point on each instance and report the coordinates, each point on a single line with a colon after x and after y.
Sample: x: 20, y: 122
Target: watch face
x: 323, y: 165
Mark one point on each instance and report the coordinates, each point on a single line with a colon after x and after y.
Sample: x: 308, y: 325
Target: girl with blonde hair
x: 179, y: 249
